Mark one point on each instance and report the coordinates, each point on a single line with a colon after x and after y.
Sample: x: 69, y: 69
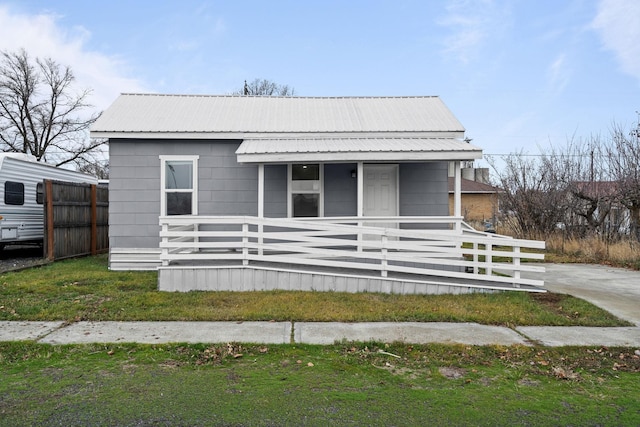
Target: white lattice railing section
x: 418, y: 246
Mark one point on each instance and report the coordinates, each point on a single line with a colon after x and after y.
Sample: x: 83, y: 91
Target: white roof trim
x: 355, y: 149
x: 265, y: 136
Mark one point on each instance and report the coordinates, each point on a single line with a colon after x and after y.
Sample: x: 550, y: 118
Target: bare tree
x: 623, y: 155
x: 585, y: 174
x: 532, y: 200
x: 40, y: 114
x: 262, y: 87
x: 589, y: 187
x: 98, y: 168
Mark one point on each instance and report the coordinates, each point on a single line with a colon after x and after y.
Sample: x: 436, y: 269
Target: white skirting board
x: 252, y: 278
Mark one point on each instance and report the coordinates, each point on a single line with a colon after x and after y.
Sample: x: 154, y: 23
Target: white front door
x: 380, y: 190
x: 380, y: 197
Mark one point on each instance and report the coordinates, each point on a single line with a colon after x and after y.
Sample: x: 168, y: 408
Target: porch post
x: 457, y: 193
x: 360, y: 206
x: 261, y: 190
x: 260, y: 208
x: 360, y: 184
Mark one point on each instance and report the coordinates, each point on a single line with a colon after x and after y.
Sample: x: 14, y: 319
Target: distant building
x: 479, y: 198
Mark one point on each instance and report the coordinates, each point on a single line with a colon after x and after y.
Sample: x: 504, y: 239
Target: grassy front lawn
x: 344, y: 384
x: 84, y: 289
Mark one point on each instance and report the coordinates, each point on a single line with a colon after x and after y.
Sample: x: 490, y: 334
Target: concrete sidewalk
x: 313, y: 333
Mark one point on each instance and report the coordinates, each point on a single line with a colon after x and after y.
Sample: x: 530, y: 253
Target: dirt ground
x: 18, y: 257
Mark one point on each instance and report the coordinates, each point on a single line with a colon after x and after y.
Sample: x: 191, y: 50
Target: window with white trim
x: 179, y: 176
x: 305, y: 190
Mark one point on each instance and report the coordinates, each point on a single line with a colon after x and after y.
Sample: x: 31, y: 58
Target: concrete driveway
x: 616, y: 290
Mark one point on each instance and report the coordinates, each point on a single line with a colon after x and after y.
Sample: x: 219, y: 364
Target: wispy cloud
x: 184, y: 46
x: 558, y: 73
x: 617, y: 22
x: 472, y: 24
x: 213, y: 29
x: 41, y: 36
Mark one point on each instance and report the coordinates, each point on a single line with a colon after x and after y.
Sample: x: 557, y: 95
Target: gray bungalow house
x: 344, y: 193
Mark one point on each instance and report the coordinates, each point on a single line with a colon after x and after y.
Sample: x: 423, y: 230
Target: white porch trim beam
x: 360, y: 185
x: 350, y: 157
x: 289, y: 206
x: 261, y: 190
x: 457, y: 190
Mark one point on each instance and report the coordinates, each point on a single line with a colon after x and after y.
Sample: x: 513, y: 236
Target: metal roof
x: 469, y: 186
x: 201, y: 116
x: 355, y: 149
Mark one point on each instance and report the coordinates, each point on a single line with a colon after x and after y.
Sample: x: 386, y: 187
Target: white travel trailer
x: 22, y: 196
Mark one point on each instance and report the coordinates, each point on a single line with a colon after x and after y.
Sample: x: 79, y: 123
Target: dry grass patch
x: 625, y: 253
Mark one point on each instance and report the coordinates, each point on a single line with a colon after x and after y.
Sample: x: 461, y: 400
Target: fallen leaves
x: 452, y: 372
x: 11, y: 311
x: 565, y: 373
x: 218, y: 353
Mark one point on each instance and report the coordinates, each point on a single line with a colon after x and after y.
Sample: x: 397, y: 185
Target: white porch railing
x: 415, y: 246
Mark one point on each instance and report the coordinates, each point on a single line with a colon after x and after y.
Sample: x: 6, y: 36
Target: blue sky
x: 519, y: 74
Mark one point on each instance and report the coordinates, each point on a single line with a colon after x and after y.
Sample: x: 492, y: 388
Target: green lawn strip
x: 342, y: 384
x: 84, y: 289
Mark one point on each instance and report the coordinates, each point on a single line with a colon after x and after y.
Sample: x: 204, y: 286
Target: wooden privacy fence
x: 75, y: 219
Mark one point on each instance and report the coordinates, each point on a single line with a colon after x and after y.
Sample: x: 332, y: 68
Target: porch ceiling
x: 355, y: 149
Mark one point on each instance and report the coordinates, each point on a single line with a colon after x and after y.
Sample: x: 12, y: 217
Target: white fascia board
x: 349, y: 135
x: 351, y: 157
x: 249, y: 135
x: 166, y: 135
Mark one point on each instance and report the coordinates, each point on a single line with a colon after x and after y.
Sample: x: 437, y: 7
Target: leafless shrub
x: 589, y: 188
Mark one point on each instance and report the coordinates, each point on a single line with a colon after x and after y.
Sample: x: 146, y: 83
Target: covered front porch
x: 392, y: 176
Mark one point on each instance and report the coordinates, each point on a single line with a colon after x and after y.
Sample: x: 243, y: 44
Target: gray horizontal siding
x: 423, y: 189
x: 275, y: 193
x: 225, y: 187
x: 340, y: 190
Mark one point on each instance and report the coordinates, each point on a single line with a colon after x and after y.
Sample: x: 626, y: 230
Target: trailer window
x: 13, y: 193
x: 39, y: 193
